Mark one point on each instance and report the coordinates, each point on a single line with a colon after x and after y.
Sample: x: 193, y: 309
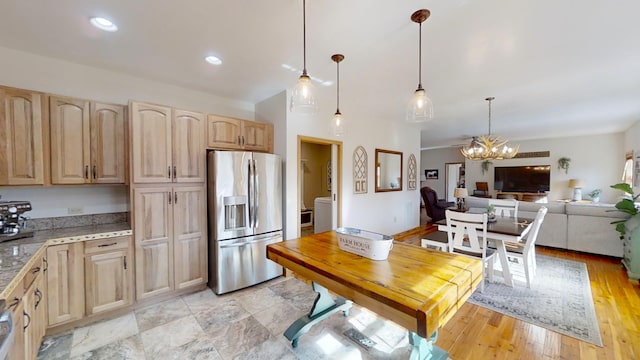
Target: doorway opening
x: 453, y: 178
x: 319, y: 185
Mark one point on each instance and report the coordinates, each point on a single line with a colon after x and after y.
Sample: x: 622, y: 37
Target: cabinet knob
x: 86, y: 172
x: 95, y: 172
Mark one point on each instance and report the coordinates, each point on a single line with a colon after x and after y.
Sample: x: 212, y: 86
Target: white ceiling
x: 556, y: 68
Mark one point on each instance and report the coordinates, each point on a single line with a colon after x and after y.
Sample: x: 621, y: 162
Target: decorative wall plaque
x: 360, y: 166
x: 412, y: 173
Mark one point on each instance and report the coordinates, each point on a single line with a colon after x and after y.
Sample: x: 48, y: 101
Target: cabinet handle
x: 242, y: 140
x: 175, y: 197
x: 95, y: 172
x: 169, y: 193
x: 86, y: 171
x: 169, y: 172
x: 36, y: 270
x: 125, y: 262
x: 239, y: 143
x: 38, y: 293
x: 174, y: 172
x: 15, y: 303
x: 105, y: 245
x: 28, y: 320
x: 46, y: 264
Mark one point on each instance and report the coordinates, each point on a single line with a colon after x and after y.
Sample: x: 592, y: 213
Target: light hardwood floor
x: 478, y: 333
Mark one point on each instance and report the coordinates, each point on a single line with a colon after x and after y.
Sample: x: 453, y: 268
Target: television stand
x: 523, y: 196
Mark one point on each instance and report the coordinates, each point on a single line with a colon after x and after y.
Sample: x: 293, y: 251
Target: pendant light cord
x: 420, y: 59
x: 338, y: 87
x: 304, y: 37
x: 489, y: 99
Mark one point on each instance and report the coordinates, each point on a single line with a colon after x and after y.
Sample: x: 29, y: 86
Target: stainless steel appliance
x: 245, y: 215
x: 12, y: 222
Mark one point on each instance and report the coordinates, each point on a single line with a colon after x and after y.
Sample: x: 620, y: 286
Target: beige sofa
x: 574, y: 226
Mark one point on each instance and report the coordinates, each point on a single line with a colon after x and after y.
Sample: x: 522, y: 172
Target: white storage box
x: 364, y: 243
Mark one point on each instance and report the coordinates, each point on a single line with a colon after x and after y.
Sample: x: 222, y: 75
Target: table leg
x: 323, y: 307
x: 423, y: 349
x: 502, y: 253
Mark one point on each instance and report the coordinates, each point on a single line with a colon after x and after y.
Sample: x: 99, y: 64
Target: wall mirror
x: 388, y: 170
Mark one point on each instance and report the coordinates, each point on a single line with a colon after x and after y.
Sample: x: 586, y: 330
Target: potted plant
x: 485, y: 166
x: 595, y: 195
x: 491, y: 212
x: 563, y: 163
x: 626, y: 205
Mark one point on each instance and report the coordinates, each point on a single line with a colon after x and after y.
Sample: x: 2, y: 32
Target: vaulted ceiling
x: 556, y: 68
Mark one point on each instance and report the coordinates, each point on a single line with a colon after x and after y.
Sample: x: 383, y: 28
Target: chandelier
x: 487, y: 147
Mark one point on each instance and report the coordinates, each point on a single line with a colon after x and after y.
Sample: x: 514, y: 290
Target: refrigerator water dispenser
x: 234, y: 212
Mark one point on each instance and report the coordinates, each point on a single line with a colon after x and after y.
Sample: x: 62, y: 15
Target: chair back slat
x: 535, y: 228
x: 505, y: 207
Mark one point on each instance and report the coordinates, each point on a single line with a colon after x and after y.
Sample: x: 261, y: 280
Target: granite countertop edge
x: 19, y: 256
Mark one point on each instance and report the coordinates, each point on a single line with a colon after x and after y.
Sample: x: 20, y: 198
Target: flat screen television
x: 530, y: 178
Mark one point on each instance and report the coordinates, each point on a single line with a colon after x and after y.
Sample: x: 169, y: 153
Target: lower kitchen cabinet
x: 108, y: 274
x: 65, y: 279
x: 16, y: 304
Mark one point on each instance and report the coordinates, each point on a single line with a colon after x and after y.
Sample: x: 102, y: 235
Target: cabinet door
x: 150, y: 143
x: 108, y: 143
x: 22, y: 159
x: 224, y: 132
x: 70, y: 140
x: 256, y: 136
x: 188, y: 147
x: 190, y: 236
x: 34, y: 317
x: 15, y: 303
x: 153, y: 227
x: 65, y: 279
x: 108, y: 275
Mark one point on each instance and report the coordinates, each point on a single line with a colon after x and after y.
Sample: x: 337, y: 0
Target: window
x: 627, y: 173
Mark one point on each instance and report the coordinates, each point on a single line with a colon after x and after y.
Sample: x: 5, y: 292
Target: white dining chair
x: 505, y: 207
x: 525, y: 251
x: 437, y: 239
x: 467, y: 235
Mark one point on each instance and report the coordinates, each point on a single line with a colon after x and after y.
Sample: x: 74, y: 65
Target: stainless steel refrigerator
x: 245, y: 215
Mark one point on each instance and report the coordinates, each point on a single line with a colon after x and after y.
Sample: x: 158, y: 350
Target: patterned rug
x: 559, y: 299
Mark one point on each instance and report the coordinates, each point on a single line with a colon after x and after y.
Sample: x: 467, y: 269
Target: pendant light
x: 303, y: 98
x: 337, y: 122
x: 420, y: 107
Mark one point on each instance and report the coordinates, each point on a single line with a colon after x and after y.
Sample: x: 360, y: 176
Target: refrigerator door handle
x: 256, y: 204
x: 245, y: 243
x: 250, y: 193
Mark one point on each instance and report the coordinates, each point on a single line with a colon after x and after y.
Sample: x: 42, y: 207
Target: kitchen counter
x: 17, y: 256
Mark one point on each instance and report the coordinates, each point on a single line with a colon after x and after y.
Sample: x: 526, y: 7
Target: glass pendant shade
x: 303, y: 99
x: 337, y: 125
x: 420, y: 108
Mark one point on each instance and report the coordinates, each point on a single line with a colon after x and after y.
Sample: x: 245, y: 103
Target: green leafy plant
x: 563, y: 163
x: 485, y: 166
x: 626, y: 205
x: 595, y: 193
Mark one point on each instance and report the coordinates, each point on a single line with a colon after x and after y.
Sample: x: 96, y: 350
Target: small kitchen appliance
x: 12, y: 221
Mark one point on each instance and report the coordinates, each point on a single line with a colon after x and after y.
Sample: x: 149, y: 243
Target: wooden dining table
x: 419, y: 289
x: 503, y: 230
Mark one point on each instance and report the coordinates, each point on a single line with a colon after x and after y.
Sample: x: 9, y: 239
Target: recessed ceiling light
x: 103, y: 24
x: 213, y: 60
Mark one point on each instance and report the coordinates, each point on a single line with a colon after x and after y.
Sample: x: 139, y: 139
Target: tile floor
x: 247, y: 324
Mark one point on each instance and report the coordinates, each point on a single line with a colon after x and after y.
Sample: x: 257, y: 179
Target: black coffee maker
x: 12, y: 221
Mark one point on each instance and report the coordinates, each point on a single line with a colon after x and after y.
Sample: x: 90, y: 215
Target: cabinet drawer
x: 31, y: 275
x: 109, y: 244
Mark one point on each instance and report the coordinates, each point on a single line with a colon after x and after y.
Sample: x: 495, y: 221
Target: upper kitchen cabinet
x: 229, y: 133
x: 87, y: 142
x: 108, y: 139
x: 166, y: 145
x: 21, y: 135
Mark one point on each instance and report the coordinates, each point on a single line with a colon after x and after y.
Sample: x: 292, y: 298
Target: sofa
x: 576, y: 226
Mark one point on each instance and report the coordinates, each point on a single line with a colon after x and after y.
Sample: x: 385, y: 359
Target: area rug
x: 559, y: 298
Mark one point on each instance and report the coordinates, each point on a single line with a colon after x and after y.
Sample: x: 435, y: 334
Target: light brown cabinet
x: 65, y: 280
x: 35, y: 313
x: 229, y: 133
x: 108, y: 274
x: 16, y: 304
x: 22, y: 159
x: 87, y: 142
x: 170, y: 238
x: 167, y: 145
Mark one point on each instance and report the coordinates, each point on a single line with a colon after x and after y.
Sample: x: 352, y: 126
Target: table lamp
x: 576, y: 185
x: 460, y: 194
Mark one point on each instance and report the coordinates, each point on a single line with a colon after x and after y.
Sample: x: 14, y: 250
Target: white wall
x: 436, y: 159
x: 597, y: 159
x: 33, y: 72
x: 387, y: 213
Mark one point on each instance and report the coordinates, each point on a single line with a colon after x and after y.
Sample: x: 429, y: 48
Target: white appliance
x: 245, y: 215
x: 322, y: 214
